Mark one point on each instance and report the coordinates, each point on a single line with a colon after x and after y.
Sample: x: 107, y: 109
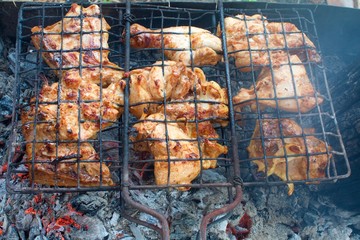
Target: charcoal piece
x: 88, y: 204
x: 6, y: 84
x: 294, y: 237
x: 136, y: 231
x: 95, y: 229
x: 23, y: 222
x: 114, y: 219
x: 41, y: 238
x: 310, y: 218
x: 1, y: 46
x: 6, y: 104
x: 12, y: 233
x: 22, y: 234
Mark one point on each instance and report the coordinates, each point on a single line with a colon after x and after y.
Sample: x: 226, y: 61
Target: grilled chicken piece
x: 58, y: 166
x: 294, y: 144
x: 252, y: 40
x: 187, y: 44
x: 211, y: 102
x: 285, y: 77
x: 182, y: 146
x: 157, y: 84
x: 175, y: 83
x: 79, y: 39
x: 90, y: 109
x: 50, y: 126
x: 210, y: 149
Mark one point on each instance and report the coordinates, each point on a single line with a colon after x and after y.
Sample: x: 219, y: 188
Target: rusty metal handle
x: 207, y: 218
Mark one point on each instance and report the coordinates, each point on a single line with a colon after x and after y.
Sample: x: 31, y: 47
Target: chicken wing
x: 183, y: 44
x: 285, y: 87
x: 291, y: 143
x: 79, y: 39
x: 252, y: 41
x: 175, y: 83
x: 183, y: 159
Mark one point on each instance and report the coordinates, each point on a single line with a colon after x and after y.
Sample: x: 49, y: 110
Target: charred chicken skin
x: 254, y: 42
x: 188, y: 44
x: 285, y: 87
x: 294, y: 146
x: 179, y: 87
x: 183, y: 159
x: 79, y: 39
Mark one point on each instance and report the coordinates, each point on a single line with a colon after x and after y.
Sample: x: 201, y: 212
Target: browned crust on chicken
x: 252, y: 41
x: 90, y: 109
x: 294, y: 145
x: 183, y: 148
x: 179, y: 86
x: 50, y: 126
x: 200, y: 47
x: 81, y: 44
x: 64, y: 173
x: 284, y: 79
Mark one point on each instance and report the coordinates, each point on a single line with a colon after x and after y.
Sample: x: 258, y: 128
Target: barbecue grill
x: 114, y: 144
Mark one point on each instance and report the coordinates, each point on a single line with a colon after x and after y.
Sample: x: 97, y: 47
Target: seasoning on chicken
x: 79, y: 39
x: 175, y: 83
x: 182, y: 44
x: 79, y: 100
x: 292, y: 87
x: 210, y: 148
x: 254, y: 42
x: 211, y: 102
x: 150, y: 86
x: 293, y: 145
x: 178, y: 151
x: 56, y: 165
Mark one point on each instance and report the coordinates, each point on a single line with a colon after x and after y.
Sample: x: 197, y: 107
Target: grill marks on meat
x: 173, y: 90
x: 67, y: 171
x: 252, y: 41
x: 65, y: 114
x: 182, y: 163
x: 284, y: 87
x: 183, y: 43
x: 79, y: 100
x: 180, y: 88
x: 66, y: 126
x: 290, y: 142
x: 79, y: 39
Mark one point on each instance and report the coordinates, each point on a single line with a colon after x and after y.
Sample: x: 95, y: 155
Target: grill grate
x: 114, y: 143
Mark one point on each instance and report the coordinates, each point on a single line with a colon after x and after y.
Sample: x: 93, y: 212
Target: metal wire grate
x: 35, y: 77
x: 320, y: 120
x: 116, y: 145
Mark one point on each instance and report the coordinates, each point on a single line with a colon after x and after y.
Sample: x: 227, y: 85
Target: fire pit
x: 215, y: 193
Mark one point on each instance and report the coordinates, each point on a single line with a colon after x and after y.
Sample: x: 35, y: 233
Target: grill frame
x: 235, y: 181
